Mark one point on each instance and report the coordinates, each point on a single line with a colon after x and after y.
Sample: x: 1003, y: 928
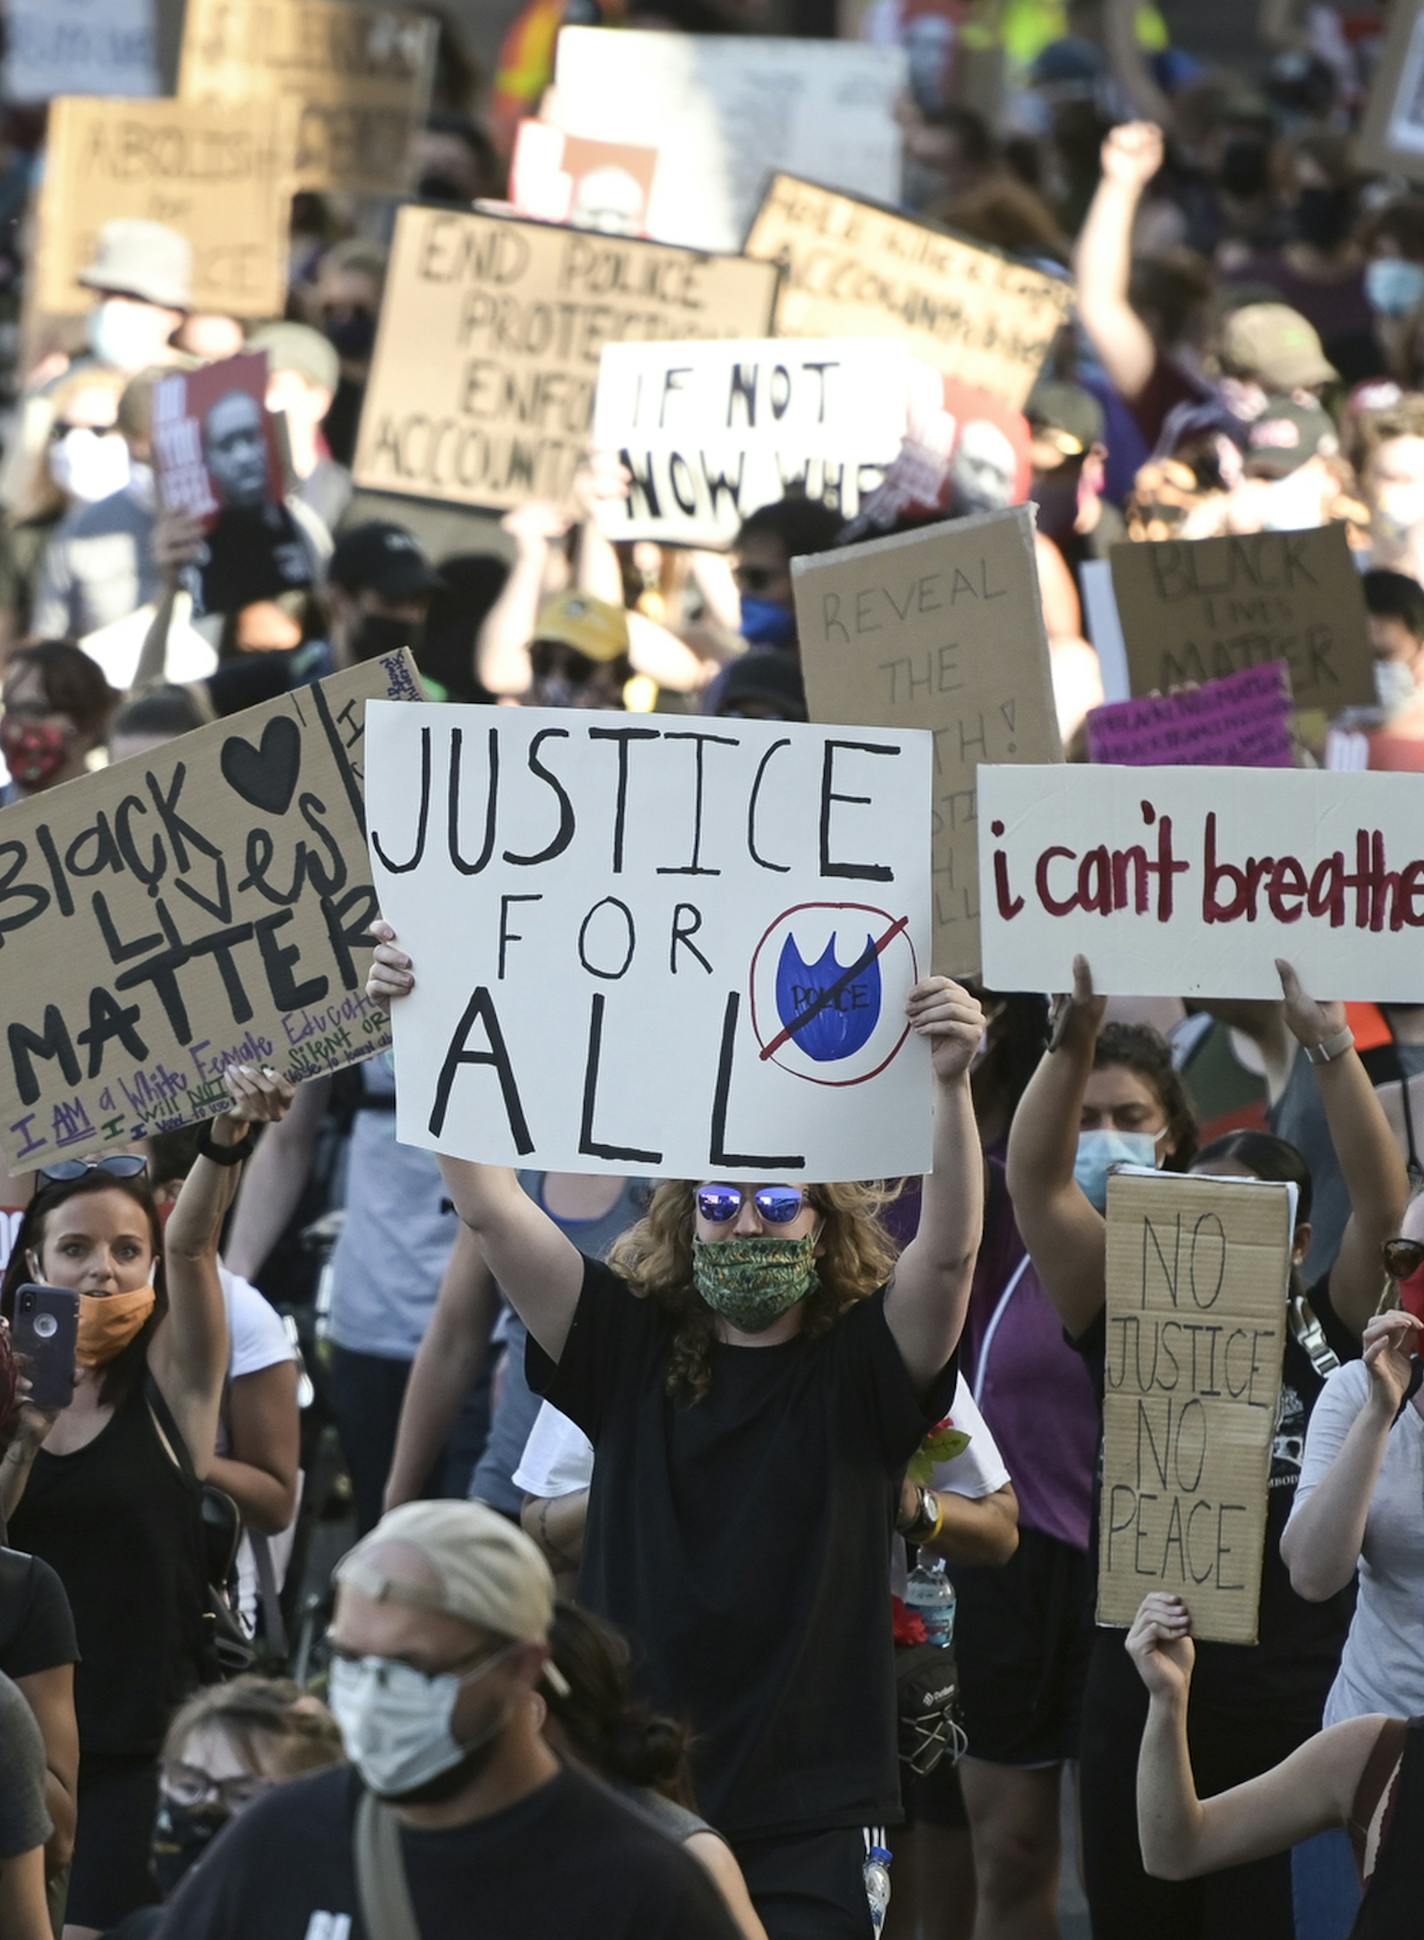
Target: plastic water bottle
x: 929, y: 1594
x: 877, y: 1885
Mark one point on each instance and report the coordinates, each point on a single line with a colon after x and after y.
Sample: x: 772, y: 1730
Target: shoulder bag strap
x: 274, y: 1630
x: 386, y: 1909
x: 163, y: 1414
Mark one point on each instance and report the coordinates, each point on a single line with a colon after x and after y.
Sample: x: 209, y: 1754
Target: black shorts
x: 808, y: 1885
x: 1022, y: 1635
x: 936, y: 1799
x: 116, y: 1800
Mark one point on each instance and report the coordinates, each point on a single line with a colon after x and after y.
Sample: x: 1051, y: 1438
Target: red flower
x: 908, y: 1628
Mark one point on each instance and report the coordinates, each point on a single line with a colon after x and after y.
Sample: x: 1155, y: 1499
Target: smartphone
x: 44, y: 1332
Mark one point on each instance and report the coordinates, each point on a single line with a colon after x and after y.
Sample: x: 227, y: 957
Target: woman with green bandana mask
x: 754, y: 1369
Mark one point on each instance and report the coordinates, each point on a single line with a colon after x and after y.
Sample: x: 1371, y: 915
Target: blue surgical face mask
x: 765, y: 623
x: 1394, y: 287
x: 1099, y: 1152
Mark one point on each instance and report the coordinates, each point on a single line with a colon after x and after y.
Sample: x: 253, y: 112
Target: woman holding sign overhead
x: 754, y: 1371
x: 1083, y: 1111
x: 105, y: 1487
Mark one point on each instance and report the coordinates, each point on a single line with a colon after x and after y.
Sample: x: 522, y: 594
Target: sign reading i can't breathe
x: 203, y: 905
x: 1197, y: 1277
x: 674, y: 949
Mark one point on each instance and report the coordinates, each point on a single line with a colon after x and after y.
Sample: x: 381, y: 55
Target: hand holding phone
x: 45, y: 1332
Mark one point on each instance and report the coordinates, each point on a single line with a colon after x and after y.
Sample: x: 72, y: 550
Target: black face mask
x: 1323, y: 216
x: 436, y: 187
x: 353, y: 335
x: 181, y: 1835
x: 378, y: 634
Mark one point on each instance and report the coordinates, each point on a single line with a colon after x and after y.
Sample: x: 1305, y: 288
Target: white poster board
x: 711, y: 431
x: 648, y: 945
x: 724, y: 111
x: 1191, y: 882
x: 79, y: 47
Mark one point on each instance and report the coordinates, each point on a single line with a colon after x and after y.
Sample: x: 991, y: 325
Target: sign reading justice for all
x: 683, y: 950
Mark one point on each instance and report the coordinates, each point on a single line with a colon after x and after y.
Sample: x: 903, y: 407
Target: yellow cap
x: 590, y: 626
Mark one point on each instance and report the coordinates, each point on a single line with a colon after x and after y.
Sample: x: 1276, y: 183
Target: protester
x: 726, y: 1268
x: 303, y: 372
x: 107, y: 1490
x: 227, y: 1747
x: 454, y: 1801
x: 57, y: 706
x: 1252, y: 1710
x: 347, y: 301
x: 142, y: 276
x: 1362, y: 1775
x: 24, y: 1822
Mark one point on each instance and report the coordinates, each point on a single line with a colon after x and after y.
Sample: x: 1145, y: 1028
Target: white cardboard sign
x: 656, y: 946
x: 724, y: 111
x: 711, y: 431
x: 1191, y: 882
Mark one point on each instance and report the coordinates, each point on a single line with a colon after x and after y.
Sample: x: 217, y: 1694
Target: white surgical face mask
x: 124, y: 335
x: 1394, y: 686
x: 1292, y: 504
x: 398, y: 1723
x: 89, y: 465
x: 1099, y: 1152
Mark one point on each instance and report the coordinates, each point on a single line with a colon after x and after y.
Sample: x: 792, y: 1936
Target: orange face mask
x: 108, y: 1322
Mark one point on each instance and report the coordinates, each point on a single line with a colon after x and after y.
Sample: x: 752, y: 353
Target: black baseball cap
x: 384, y: 559
x: 1068, y: 417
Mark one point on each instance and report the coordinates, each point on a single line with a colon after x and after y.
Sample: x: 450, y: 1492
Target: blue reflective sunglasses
x: 777, y: 1205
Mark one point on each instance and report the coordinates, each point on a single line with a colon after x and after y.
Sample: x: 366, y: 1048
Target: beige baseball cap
x: 488, y: 1573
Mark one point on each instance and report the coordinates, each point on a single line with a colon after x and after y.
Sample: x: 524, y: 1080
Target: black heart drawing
x: 266, y: 775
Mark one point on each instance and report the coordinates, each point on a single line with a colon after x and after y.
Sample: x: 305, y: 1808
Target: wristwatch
x: 925, y: 1519
x: 222, y: 1154
x: 1333, y: 1047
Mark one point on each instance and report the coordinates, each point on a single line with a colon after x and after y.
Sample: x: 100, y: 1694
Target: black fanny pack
x: 927, y: 1700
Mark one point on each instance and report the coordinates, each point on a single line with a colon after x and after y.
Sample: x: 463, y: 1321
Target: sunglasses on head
x: 1402, y: 1257
x: 777, y: 1205
x: 118, y: 1165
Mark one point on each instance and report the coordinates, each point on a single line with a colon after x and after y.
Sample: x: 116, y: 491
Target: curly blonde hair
x: 856, y: 1257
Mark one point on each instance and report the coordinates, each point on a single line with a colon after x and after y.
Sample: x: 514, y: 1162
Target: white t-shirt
x: 978, y: 1472
x: 1382, y: 1665
x: 557, y: 1458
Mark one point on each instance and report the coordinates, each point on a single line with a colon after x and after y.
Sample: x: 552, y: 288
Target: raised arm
x: 263, y: 1461
x: 1131, y: 156
x: 188, y: 1355
x: 539, y: 1268
x: 1326, y: 1532
x: 1183, y: 1836
x: 1365, y: 1150
x: 929, y: 1294
x: 1065, y: 1235
x: 446, y: 1368
x: 274, y: 1179
x: 502, y: 643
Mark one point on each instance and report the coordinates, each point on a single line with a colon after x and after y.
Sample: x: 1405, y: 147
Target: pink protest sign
x: 1240, y: 721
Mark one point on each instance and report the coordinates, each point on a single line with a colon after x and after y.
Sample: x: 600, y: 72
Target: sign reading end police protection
x: 676, y: 950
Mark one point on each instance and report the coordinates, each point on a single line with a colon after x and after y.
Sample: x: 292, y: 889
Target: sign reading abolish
x: 482, y: 386
x: 1196, y: 1283
x: 1194, y: 609
x: 940, y: 629
x: 215, y: 176
x: 855, y: 270
x: 201, y: 905
x: 683, y: 950
x: 1190, y: 882
x: 357, y: 80
x: 709, y: 432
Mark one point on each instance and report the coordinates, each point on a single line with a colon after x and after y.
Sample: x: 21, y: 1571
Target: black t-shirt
x: 744, y: 1543
x: 1288, y: 1674
x: 570, y: 1862
x: 36, y: 1623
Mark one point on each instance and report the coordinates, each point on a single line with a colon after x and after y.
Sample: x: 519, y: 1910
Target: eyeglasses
x: 118, y: 1165
x: 777, y: 1205
x: 1402, y: 1257
x: 187, y: 1785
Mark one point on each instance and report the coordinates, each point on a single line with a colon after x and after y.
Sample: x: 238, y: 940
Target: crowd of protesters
x: 429, y: 1549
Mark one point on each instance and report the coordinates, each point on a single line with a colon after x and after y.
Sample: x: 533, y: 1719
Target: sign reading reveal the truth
x: 1190, y: 882
x: 486, y: 365
x: 215, y: 175
x: 202, y: 905
x: 645, y: 946
x: 1196, y: 1315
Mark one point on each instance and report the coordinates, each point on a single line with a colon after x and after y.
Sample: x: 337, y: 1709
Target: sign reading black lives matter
x: 482, y: 385
x: 644, y: 945
x: 203, y: 905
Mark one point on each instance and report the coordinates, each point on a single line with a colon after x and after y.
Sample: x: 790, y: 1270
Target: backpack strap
x: 381, y: 1885
x: 163, y: 1415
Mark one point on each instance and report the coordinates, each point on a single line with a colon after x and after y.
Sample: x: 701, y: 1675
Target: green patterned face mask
x: 752, y: 1282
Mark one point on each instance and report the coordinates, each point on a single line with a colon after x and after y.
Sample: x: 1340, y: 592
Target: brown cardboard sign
x: 482, y: 385
x: 1391, y: 137
x: 1197, y: 1274
x: 216, y: 176
x: 856, y: 270
x: 357, y: 78
x: 198, y: 906
x: 939, y: 629
x: 1197, y: 609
